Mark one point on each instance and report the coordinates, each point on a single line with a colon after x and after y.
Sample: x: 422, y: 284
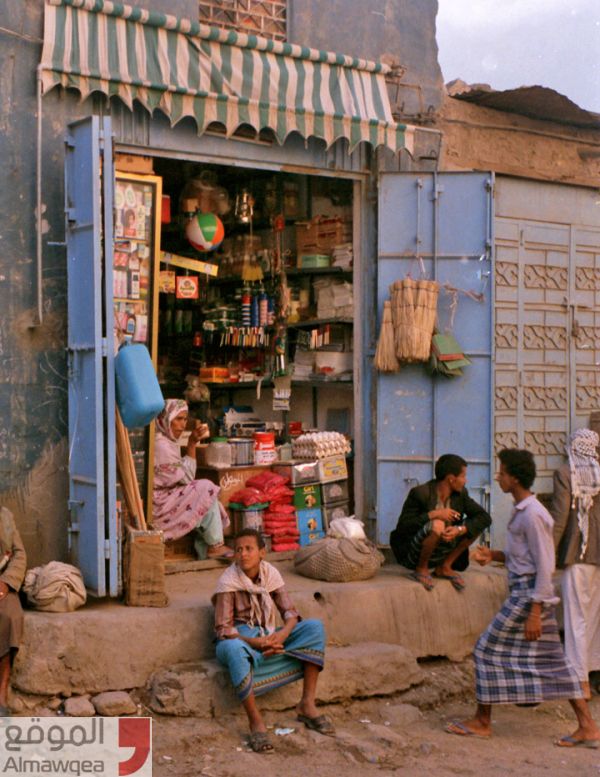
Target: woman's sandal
x: 320, y: 724
x: 219, y: 551
x: 259, y: 742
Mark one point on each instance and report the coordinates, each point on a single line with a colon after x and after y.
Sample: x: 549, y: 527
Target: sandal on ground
x: 458, y: 728
x: 456, y: 580
x: 593, y: 744
x: 425, y: 580
x: 320, y: 724
x: 219, y: 551
x: 259, y: 741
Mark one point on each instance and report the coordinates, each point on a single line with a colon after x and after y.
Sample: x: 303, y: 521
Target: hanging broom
x: 414, y: 307
x: 425, y: 315
x: 385, y: 355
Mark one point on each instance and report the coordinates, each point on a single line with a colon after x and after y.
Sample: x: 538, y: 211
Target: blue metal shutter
x: 446, y: 219
x: 92, y: 490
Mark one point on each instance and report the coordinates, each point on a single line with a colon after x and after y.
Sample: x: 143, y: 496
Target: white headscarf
x: 173, y: 408
x: 261, y: 603
x: 585, y: 478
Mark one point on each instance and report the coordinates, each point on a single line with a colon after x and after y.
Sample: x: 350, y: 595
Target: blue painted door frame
x: 89, y: 230
x: 440, y: 224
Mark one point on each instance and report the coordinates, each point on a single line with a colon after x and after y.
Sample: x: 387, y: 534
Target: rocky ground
x: 401, y: 735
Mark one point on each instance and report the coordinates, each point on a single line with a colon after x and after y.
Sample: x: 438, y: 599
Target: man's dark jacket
x: 419, y: 502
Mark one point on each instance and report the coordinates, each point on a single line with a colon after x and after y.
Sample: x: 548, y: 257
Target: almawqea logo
x: 111, y: 747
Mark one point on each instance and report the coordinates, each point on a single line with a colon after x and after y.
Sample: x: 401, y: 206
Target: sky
x: 511, y: 43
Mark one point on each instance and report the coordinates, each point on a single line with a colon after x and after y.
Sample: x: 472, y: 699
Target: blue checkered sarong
x: 511, y: 670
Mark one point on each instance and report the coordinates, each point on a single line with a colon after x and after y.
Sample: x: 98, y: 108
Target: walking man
x: 519, y: 658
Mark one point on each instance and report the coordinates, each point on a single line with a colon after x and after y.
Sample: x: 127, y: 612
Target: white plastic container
x: 218, y: 454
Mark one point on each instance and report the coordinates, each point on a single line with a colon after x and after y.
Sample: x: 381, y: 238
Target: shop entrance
x: 256, y: 334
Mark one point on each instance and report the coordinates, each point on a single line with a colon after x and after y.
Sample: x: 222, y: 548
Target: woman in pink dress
x: 180, y: 503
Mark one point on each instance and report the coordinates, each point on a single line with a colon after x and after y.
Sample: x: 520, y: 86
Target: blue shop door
x: 440, y: 224
x: 92, y: 490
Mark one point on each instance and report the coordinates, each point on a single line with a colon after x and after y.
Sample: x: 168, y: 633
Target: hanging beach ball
x: 205, y: 231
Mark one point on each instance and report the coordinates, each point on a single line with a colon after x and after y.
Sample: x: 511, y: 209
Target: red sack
x: 285, y: 532
x: 279, y: 493
x: 285, y: 546
x: 281, y: 507
x: 267, y: 480
x: 248, y: 496
x: 279, y: 524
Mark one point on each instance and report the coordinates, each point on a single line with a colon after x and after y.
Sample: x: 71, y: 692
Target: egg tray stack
x: 320, y: 445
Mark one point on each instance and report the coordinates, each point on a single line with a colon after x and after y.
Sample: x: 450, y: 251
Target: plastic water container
x: 218, y: 453
x: 139, y: 397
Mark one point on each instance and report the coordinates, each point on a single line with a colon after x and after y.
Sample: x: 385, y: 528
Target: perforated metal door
x: 547, y: 318
x: 445, y: 220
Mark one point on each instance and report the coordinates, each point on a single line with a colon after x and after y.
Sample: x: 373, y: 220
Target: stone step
x: 203, y: 688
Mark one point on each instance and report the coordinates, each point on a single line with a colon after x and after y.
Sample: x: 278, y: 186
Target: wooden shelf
x: 293, y: 272
x: 267, y: 382
x: 319, y: 322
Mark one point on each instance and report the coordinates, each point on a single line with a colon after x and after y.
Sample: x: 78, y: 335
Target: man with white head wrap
x: 576, y: 513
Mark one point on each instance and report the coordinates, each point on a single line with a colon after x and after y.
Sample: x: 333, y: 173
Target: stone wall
x: 477, y: 138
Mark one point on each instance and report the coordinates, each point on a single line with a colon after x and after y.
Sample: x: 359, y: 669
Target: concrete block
x: 368, y: 669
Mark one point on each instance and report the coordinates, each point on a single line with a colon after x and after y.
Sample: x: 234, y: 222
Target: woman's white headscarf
x: 173, y: 408
x: 585, y: 478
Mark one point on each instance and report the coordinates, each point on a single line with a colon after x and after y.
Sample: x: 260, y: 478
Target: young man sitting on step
x: 259, y: 656
x: 438, y: 522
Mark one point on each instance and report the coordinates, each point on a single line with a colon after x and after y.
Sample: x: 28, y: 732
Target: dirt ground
x: 400, y: 735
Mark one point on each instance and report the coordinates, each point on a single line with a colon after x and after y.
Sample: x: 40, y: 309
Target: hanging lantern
x: 205, y: 231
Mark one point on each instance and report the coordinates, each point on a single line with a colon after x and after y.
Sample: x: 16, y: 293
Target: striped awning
x: 185, y: 68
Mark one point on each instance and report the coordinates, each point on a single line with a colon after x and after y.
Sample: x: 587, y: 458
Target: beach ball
x: 205, y: 231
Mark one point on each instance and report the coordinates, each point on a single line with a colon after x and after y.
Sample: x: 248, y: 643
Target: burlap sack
x: 338, y: 560
x: 55, y: 587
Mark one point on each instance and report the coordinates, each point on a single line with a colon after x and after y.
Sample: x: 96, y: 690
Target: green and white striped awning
x: 185, y: 68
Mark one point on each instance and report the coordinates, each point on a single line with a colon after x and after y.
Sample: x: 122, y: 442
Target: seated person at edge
x: 260, y: 657
x: 13, y: 564
x: 180, y: 503
x: 438, y: 522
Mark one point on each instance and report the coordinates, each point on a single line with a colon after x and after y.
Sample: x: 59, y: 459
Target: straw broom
x: 402, y: 299
x: 425, y: 315
x: 128, y: 476
x: 385, y: 355
x: 414, y: 307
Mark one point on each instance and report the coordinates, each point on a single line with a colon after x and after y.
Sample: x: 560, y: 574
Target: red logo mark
x: 134, y: 732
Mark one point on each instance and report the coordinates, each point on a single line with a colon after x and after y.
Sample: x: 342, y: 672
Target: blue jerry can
x: 139, y: 397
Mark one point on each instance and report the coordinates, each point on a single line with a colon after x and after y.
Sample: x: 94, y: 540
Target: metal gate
x: 88, y: 211
x: 547, y: 317
x: 443, y: 221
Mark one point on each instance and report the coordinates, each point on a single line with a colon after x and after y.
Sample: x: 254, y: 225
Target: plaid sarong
x: 511, y: 670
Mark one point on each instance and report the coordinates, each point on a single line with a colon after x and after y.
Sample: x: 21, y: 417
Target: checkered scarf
x: 585, y: 478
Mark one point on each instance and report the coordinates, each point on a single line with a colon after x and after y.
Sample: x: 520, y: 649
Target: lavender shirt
x: 530, y: 547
